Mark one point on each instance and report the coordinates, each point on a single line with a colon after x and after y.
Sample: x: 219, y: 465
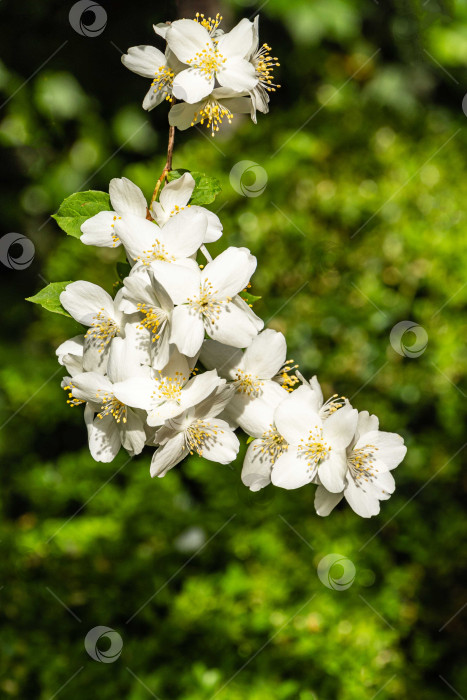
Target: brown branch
x: 166, y: 170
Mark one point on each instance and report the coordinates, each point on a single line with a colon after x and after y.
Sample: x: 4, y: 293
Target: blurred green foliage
x: 361, y: 225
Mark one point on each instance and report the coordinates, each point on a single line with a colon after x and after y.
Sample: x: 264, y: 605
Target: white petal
x: 332, y: 471
x: 177, y: 193
x: 231, y: 327
x: 224, y: 358
x: 199, y: 387
x: 255, y: 415
x: 325, y: 501
x: 238, y: 41
x: 238, y: 105
x: 366, y: 423
x: 192, y: 85
x: 73, y: 346
x: 124, y: 358
x: 390, y: 447
x: 166, y: 457
x: 126, y: 197
x: 104, y: 439
x: 186, y: 38
x: 230, y: 271
x: 161, y: 28
x: 84, y: 300
x: 339, y: 428
x: 257, y: 322
x: 257, y: 466
x: 215, y: 403
x: 222, y: 445
x: 153, y: 98
x: 294, y: 418
x: 143, y: 60
x: 132, y: 433
x: 364, y: 504
x: 237, y: 74
x: 266, y: 354
x: 290, y: 471
x: 138, y: 235
x: 182, y: 114
x: 214, y: 228
x: 135, y: 392
x: 187, y: 330
x: 183, y: 234
x: 91, y: 386
x: 179, y: 282
x: 98, y: 230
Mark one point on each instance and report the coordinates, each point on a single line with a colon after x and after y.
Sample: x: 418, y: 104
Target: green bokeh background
x: 361, y: 225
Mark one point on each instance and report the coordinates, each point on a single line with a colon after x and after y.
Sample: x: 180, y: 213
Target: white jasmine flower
x: 263, y: 64
x: 174, y: 198
x: 92, y: 306
x: 371, y: 456
x: 324, y: 408
x: 208, y: 58
x: 149, y: 62
x: 178, y: 239
x: 115, y: 424
x: 128, y: 201
x: 220, y: 104
x: 144, y: 295
x: 204, y: 300
x: 268, y: 445
x: 167, y: 393
x: 316, y: 446
x: 253, y: 374
x: 197, y: 430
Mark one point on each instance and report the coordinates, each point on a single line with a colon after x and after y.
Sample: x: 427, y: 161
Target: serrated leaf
x: 49, y: 298
x: 78, y: 207
x: 249, y: 298
x: 206, y: 188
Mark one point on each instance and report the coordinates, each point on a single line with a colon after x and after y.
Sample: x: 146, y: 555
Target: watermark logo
x: 336, y: 572
x: 104, y: 656
x: 88, y: 18
x: 248, y: 178
x: 408, y: 339
x: 16, y: 251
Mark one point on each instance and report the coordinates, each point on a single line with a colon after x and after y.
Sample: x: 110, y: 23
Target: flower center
x: 115, y: 238
x: 285, y: 380
x: 198, y: 435
x: 332, y: 405
x: 273, y: 444
x: 264, y: 64
x: 209, y: 23
x: 71, y: 401
x: 213, y: 113
x: 157, y: 251
x: 247, y: 383
x: 112, y: 407
x: 102, y: 330
x: 163, y: 81
x: 207, y: 304
x: 361, y: 463
x: 152, y: 319
x: 314, y: 448
x: 208, y: 61
x: 170, y: 388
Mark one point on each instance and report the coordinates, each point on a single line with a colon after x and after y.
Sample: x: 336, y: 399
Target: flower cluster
x: 212, y: 75
x: 134, y: 369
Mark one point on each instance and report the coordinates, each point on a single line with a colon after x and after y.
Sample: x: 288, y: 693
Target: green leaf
x: 49, y: 298
x: 206, y: 188
x: 123, y: 270
x: 78, y: 207
x: 249, y: 298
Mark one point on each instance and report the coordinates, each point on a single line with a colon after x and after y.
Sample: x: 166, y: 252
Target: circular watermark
x: 88, y: 18
x: 408, y: 339
x: 16, y: 251
x: 248, y: 178
x: 104, y: 656
x: 336, y: 572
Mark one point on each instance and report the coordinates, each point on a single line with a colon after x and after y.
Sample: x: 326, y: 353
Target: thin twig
x: 166, y: 170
